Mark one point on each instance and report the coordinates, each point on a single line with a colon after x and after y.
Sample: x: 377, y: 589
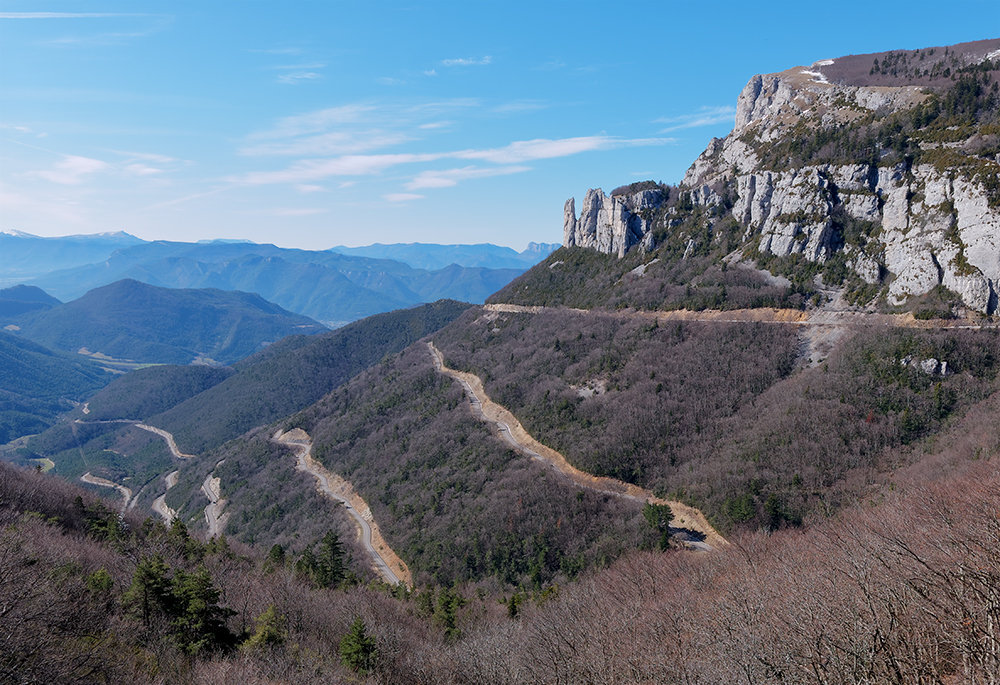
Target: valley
x: 741, y: 429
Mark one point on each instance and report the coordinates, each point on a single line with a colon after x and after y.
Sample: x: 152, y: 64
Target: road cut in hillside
x: 817, y: 317
x: 160, y: 503
x: 169, y: 438
x: 384, y: 560
x: 105, y: 483
x: 513, y: 432
x: 212, y: 488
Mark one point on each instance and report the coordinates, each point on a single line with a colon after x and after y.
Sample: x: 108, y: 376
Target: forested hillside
x: 138, y: 322
x: 901, y: 587
x: 38, y: 384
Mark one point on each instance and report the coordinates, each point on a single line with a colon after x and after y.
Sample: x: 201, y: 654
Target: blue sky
x: 314, y: 124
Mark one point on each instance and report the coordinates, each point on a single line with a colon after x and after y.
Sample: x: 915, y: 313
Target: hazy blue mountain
x: 433, y: 257
x: 132, y: 320
x: 24, y: 298
x: 328, y: 286
x: 27, y: 256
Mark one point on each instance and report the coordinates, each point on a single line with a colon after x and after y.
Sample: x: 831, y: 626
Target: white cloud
x: 72, y: 170
x: 315, y: 122
x: 142, y: 170
x: 528, y: 150
x: 305, y: 188
x: 19, y: 129
x: 450, y: 177
x: 467, y: 62
x: 309, y: 170
x: 431, y: 72
x: 706, y: 116
x: 436, y: 124
x: 318, y: 169
x: 389, y: 81
x: 148, y: 156
x: 300, y: 77
x: 326, y: 144
x: 402, y: 197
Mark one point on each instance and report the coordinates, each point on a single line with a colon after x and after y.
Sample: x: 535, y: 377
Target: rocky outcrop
x: 925, y: 225
x: 611, y: 225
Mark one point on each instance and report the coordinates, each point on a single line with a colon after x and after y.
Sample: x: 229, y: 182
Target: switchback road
x: 511, y: 430
x: 385, y: 561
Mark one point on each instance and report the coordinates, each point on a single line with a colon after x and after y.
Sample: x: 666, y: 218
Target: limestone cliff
x: 889, y: 161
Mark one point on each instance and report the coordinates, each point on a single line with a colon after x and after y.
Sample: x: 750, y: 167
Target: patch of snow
x: 817, y: 76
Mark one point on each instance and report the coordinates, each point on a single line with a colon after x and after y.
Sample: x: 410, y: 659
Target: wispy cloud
x: 435, y: 124
x: 72, y: 170
x: 147, y: 156
x: 389, y: 81
x: 305, y: 188
x: 142, y: 170
x: 528, y: 150
x: 706, y: 116
x: 450, y: 177
x: 315, y: 122
x: 327, y: 144
x: 431, y: 72
x: 402, y: 197
x: 318, y: 169
x: 462, y: 62
x: 301, y: 77
x: 309, y: 170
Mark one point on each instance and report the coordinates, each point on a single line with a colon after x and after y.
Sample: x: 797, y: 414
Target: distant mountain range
x: 147, y: 324
x: 331, y: 286
x: 431, y: 256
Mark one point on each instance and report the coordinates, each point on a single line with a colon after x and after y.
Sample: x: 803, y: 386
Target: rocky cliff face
x: 612, y: 225
x: 909, y: 201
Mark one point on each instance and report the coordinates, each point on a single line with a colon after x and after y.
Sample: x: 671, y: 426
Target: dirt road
x: 216, y: 520
x: 169, y: 438
x: 105, y: 483
x: 160, y: 503
x: 384, y: 560
x: 511, y: 430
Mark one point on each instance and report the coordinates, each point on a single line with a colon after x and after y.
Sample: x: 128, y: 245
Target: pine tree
x: 357, y: 648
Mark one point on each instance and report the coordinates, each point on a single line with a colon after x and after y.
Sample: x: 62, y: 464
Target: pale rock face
x: 612, y: 225
x: 569, y: 223
x: 934, y: 228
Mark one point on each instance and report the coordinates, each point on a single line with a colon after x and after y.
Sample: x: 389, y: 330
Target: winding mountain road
x: 510, y: 430
x: 383, y: 558
x: 169, y: 438
x: 105, y: 483
x: 212, y: 488
x: 160, y: 503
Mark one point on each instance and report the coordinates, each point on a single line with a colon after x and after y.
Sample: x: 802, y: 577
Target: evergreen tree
x: 357, y: 648
x: 330, y: 563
